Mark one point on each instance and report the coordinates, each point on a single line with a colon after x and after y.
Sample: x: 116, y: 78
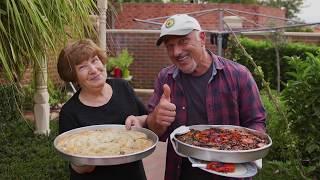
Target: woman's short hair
x: 74, y: 54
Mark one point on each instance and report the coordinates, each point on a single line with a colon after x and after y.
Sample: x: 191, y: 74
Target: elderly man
x: 199, y: 88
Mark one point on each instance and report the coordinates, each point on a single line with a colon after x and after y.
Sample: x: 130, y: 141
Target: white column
x: 41, y: 98
x: 102, y: 7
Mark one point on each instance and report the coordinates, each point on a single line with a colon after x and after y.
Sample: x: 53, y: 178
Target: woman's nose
x: 92, y: 68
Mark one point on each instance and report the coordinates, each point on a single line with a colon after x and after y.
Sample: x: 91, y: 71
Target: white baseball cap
x: 179, y: 24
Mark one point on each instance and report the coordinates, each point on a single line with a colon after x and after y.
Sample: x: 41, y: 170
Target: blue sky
x: 310, y: 11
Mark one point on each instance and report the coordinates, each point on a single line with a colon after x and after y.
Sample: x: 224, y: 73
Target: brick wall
x: 148, y: 58
x: 209, y: 20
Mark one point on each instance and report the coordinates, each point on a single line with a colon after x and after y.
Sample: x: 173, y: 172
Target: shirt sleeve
x: 252, y: 112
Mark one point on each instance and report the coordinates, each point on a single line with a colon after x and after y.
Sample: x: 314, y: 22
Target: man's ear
x: 202, y: 35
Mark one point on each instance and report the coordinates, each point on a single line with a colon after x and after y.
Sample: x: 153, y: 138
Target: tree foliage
x: 303, y: 100
x: 29, y: 28
x: 292, y: 7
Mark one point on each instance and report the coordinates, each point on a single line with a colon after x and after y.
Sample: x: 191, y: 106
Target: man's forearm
x: 154, y: 126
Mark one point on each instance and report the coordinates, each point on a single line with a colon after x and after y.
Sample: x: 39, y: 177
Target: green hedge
x: 263, y: 53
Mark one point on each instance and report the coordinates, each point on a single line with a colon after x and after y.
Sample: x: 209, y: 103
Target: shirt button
x: 183, y: 108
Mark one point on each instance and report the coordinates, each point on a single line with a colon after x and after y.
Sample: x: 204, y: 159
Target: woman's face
x: 91, y: 74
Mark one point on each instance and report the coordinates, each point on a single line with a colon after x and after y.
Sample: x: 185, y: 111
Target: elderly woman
x: 98, y: 101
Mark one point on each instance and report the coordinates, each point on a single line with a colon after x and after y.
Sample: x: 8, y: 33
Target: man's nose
x: 177, y: 51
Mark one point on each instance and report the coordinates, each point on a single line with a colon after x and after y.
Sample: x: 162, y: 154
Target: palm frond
x: 28, y: 28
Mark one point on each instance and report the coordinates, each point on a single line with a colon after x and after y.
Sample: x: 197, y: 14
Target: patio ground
x: 155, y: 163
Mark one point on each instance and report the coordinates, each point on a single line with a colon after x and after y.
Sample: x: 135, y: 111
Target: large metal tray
x: 108, y: 160
x: 207, y: 154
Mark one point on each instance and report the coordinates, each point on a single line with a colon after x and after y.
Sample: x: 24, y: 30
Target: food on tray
x: 223, y: 139
x: 221, y: 167
x: 104, y: 142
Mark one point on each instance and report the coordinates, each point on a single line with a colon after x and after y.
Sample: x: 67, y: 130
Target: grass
x: 24, y: 155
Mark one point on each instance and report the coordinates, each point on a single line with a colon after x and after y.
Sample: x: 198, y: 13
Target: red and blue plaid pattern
x: 232, y: 99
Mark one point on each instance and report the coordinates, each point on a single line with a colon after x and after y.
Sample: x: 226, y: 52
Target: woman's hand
x: 81, y: 169
x: 137, y: 121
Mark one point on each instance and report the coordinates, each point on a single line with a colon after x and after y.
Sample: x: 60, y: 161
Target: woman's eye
x: 95, y: 60
x: 82, y: 68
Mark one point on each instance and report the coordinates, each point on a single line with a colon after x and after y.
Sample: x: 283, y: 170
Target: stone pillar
x: 102, y: 7
x: 41, y: 98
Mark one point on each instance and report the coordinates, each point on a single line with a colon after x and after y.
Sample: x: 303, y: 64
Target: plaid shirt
x: 232, y: 99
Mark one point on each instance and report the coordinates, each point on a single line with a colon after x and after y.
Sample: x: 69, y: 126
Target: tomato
x: 221, y: 167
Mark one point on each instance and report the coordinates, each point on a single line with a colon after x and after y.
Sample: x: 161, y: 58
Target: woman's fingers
x: 130, y: 121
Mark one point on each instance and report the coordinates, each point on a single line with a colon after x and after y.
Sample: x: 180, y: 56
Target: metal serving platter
x: 107, y: 160
x: 227, y: 156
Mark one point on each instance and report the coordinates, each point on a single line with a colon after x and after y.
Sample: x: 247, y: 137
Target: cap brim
x: 173, y: 33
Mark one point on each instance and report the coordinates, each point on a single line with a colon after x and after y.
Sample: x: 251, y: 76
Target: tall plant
x: 28, y: 28
x: 303, y: 100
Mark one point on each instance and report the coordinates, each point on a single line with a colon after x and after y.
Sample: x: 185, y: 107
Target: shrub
x: 263, y: 53
x: 57, y: 95
x: 10, y: 104
x: 276, y: 128
x: 303, y: 101
x: 281, y: 161
x: 24, y: 155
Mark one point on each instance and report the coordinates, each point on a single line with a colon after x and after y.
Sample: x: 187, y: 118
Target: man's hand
x: 165, y: 111
x: 163, y: 114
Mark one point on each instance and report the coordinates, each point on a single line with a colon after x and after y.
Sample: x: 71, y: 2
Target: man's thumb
x: 166, y: 92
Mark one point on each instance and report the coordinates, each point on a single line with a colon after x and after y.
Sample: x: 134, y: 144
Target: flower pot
x: 125, y: 73
x: 117, y: 72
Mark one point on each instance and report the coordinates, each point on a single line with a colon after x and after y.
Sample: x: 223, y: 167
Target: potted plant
x: 119, y: 66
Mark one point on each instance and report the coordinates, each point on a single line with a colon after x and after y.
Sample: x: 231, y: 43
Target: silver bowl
x: 107, y: 160
x: 227, y: 156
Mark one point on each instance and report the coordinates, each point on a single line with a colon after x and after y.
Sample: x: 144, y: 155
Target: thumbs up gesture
x: 165, y: 111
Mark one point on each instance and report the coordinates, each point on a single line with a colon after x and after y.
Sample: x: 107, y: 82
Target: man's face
x: 186, y: 52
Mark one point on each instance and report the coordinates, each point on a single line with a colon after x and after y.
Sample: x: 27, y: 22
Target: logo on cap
x: 169, y: 23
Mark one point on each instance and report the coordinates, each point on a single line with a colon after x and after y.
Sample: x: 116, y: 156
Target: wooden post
x: 41, y: 98
x: 102, y: 7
